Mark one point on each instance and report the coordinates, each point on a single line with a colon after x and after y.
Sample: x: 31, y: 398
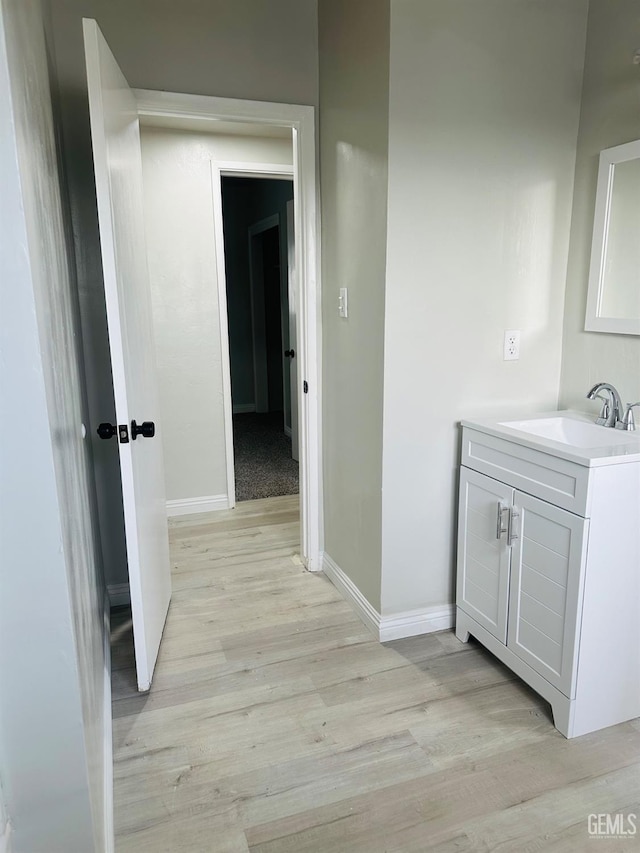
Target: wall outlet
x: 343, y: 305
x: 511, y: 345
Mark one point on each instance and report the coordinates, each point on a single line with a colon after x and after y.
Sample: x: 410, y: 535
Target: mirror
x: 613, y: 301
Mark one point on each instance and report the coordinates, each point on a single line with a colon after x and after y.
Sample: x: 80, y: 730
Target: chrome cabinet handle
x: 500, y: 528
x: 514, y: 513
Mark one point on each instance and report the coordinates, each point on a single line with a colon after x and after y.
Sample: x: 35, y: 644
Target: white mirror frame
x: 594, y: 321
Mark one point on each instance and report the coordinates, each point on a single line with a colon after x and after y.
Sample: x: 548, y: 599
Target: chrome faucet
x: 612, y: 411
x: 628, y: 421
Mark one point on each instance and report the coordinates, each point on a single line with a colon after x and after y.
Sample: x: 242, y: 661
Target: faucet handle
x: 605, y: 411
x: 629, y: 421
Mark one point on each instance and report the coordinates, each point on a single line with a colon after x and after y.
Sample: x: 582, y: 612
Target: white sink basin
x: 566, y: 435
x: 570, y: 431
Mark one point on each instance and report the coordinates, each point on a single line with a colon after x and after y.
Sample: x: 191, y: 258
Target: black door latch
x: 147, y: 429
x: 107, y: 430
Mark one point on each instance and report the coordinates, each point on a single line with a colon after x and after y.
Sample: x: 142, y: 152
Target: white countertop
x: 617, y: 446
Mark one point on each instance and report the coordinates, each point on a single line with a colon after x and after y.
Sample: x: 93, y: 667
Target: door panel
x: 258, y: 318
x: 118, y: 172
x: 293, y: 329
x: 546, y: 588
x: 483, y: 557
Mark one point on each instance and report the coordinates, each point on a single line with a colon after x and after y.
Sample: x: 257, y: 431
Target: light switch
x: 343, y: 307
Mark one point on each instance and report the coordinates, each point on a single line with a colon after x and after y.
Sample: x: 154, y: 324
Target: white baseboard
x: 287, y: 431
x: 394, y: 626
x: 118, y: 594
x: 352, y: 594
x: 187, y: 506
x: 243, y: 408
x: 414, y: 622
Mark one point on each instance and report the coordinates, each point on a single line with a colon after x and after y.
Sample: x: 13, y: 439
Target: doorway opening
x: 258, y: 228
x: 168, y: 201
x: 200, y: 112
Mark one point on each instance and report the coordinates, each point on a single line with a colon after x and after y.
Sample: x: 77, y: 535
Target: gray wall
x: 483, y: 120
x: 266, y: 51
x: 52, y: 631
x: 354, y: 103
x: 610, y: 116
x: 230, y: 48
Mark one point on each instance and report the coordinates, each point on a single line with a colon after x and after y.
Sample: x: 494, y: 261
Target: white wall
x: 610, y: 116
x: 53, y: 714
x: 229, y: 48
x: 483, y: 117
x: 178, y: 201
x: 354, y: 88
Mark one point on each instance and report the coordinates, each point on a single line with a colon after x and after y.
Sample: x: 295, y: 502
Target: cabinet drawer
x: 558, y: 481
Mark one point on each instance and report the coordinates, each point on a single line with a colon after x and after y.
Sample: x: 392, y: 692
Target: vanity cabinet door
x: 548, y: 551
x: 483, y: 556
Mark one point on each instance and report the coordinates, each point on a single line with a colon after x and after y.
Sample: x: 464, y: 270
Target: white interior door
x: 118, y: 172
x: 293, y: 329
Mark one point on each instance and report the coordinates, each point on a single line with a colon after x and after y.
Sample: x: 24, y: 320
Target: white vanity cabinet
x: 548, y: 572
x: 519, y: 572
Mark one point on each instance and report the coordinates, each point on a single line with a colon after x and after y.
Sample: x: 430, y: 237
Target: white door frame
x: 301, y: 120
x: 224, y: 169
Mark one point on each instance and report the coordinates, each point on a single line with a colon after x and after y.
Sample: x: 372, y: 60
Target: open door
x: 293, y: 328
x: 118, y: 171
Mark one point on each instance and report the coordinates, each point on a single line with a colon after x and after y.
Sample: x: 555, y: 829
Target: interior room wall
x: 229, y: 48
x: 178, y: 198
x: 246, y: 201
x: 610, y: 116
x: 5, y: 825
x: 354, y: 88
x: 483, y: 117
x: 54, y: 714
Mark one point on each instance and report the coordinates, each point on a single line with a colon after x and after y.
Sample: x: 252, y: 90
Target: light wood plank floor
x: 277, y: 723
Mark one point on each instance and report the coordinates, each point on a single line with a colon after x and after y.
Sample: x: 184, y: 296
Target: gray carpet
x: 262, y: 452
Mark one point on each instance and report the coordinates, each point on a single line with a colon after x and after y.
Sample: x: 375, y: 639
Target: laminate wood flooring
x: 277, y: 723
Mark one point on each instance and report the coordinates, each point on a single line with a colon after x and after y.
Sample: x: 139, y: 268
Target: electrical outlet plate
x: 511, y: 345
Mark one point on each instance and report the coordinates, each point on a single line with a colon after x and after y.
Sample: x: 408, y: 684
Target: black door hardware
x: 106, y: 430
x: 305, y: 386
x: 289, y: 353
x: 147, y: 429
